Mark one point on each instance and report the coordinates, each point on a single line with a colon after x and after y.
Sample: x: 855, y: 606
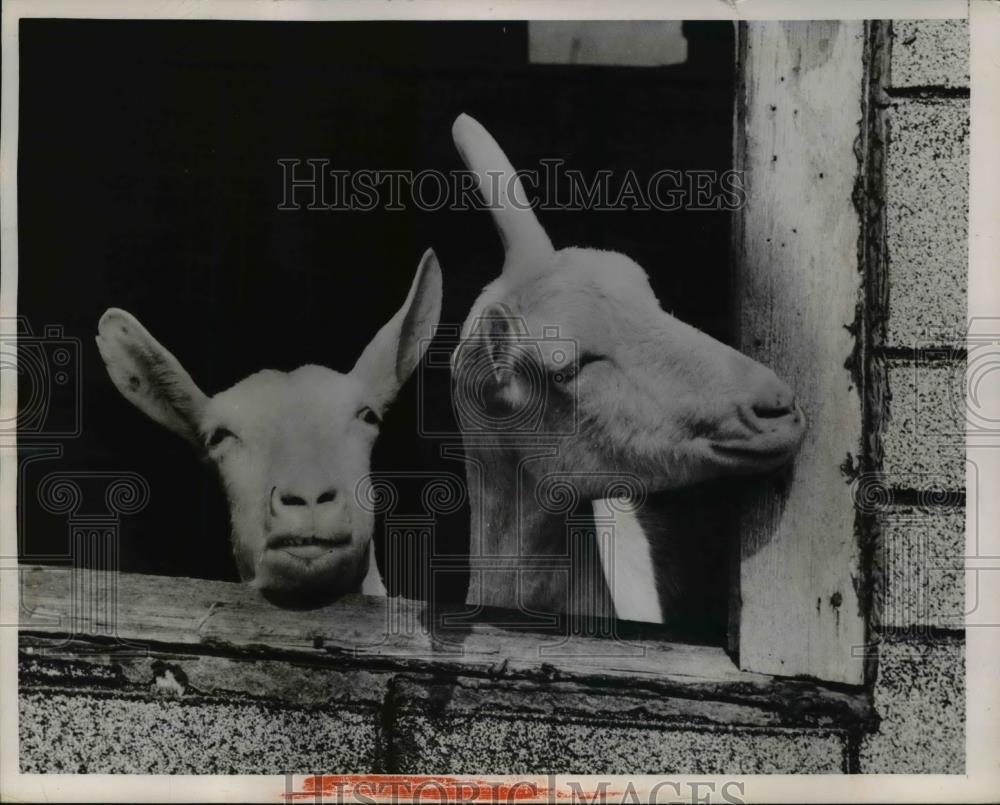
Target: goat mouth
x: 765, y: 443
x: 746, y: 450
x: 307, y: 548
x: 753, y: 455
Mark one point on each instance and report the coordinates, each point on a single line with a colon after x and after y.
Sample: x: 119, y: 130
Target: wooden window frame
x: 799, y: 285
x: 799, y: 619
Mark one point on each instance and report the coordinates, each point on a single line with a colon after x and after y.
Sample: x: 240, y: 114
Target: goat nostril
x: 776, y: 407
x: 327, y: 497
x: 292, y: 500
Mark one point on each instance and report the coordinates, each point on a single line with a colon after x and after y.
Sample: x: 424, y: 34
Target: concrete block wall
x: 104, y: 734
x: 204, y: 714
x: 920, y: 701
x: 451, y: 727
x: 919, y: 693
x: 193, y: 714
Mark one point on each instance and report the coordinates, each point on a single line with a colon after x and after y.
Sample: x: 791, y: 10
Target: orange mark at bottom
x: 432, y: 788
x: 417, y: 788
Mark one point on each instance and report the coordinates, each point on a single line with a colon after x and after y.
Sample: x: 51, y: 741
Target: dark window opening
x: 148, y: 180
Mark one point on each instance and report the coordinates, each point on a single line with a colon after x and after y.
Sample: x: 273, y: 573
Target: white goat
x: 652, y: 400
x: 289, y: 447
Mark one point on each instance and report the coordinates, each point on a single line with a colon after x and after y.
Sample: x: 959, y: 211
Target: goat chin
x: 294, y: 584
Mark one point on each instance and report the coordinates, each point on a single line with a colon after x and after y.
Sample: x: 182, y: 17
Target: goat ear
x: 503, y: 334
x: 525, y: 243
x: 394, y: 352
x: 485, y: 365
x: 148, y: 376
x: 498, y: 328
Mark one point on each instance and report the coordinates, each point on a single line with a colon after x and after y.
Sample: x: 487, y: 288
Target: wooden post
x: 800, y: 112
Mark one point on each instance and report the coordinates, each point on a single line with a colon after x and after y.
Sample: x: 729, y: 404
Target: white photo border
x: 982, y: 779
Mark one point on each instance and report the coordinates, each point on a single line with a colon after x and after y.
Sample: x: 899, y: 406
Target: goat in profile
x: 569, y: 375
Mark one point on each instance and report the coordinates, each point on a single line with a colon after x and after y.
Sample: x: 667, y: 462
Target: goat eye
x: 218, y: 436
x: 566, y: 373
x: 569, y: 372
x: 367, y: 415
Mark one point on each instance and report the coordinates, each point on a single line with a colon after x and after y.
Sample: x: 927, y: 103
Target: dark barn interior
x: 149, y: 180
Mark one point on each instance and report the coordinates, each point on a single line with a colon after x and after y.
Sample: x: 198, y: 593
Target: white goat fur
x: 656, y: 400
x: 290, y: 447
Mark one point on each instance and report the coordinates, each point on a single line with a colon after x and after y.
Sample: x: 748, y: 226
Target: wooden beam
x: 798, y: 288
x: 180, y: 620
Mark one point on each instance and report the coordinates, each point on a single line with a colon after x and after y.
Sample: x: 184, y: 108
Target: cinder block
x: 924, y: 438
x: 108, y: 733
x: 920, y: 698
x: 145, y: 713
x: 434, y: 731
x: 920, y: 560
x: 930, y: 53
x: 927, y: 209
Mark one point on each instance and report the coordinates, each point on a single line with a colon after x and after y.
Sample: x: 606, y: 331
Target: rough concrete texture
x: 434, y: 733
x: 924, y: 437
x: 98, y: 733
x: 927, y: 206
x: 920, y: 697
x: 920, y: 559
x: 512, y: 745
x: 930, y: 53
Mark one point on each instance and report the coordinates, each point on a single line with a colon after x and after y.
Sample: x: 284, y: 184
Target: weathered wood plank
x: 182, y: 611
x: 192, y: 676
x: 798, y: 291
x: 47, y: 662
x: 177, y: 618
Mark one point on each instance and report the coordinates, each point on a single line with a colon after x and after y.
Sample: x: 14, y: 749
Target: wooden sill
x: 171, y: 616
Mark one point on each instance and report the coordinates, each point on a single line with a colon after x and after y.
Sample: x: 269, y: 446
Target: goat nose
x: 284, y: 499
x: 773, y: 398
x: 291, y: 500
